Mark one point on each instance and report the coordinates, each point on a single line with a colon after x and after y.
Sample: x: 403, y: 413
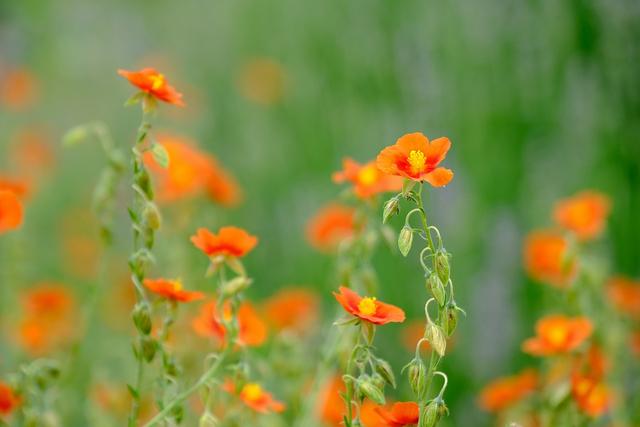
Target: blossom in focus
x: 557, y: 334
x: 11, y: 211
x: 229, y: 241
x: 414, y: 157
x: 150, y: 81
x: 584, y: 214
x: 624, y: 295
x: 332, y: 224
x: 547, y: 258
x: 172, y: 290
x: 507, y: 391
x: 210, y: 323
x: 367, y: 179
x: 294, y: 309
x: 368, y: 308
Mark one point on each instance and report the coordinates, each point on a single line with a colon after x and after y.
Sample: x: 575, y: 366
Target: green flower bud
x: 208, y: 420
x: 405, y: 239
x: 148, y: 348
x: 391, y: 208
x: 152, y: 216
x: 451, y: 319
x: 437, y: 288
x: 235, y: 285
x: 142, y: 318
x: 442, y: 266
x: 417, y: 373
x: 383, y: 368
x: 368, y: 389
x: 436, y: 338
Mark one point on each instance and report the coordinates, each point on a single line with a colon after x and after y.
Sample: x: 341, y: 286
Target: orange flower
x: 368, y: 308
x: 505, y: 392
x: 414, y: 157
x: 400, y: 414
x: 558, y: 334
x: 546, y: 258
x: 11, y: 213
x: 8, y: 399
x: 584, y: 214
x: 331, y: 407
x: 256, y: 398
x: 32, y: 151
x: 48, y: 319
x: 634, y: 343
x: 19, y: 187
x: 262, y: 81
x: 253, y: 331
x: 172, y: 289
x: 624, y: 294
x: 330, y: 226
x: 592, y: 396
x: 367, y: 179
x: 292, y: 309
x: 150, y: 81
x: 230, y: 241
x: 190, y: 172
x: 18, y: 89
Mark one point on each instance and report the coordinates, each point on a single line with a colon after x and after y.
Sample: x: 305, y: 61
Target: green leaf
x: 160, y: 155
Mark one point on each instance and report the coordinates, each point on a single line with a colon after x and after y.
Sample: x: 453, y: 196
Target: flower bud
x: 368, y: 389
x: 208, y: 420
x: 442, y: 266
x: 451, y: 319
x: 417, y: 373
x: 148, y: 348
x: 391, y: 208
x: 235, y: 285
x: 152, y: 216
x: 177, y: 413
x: 405, y: 239
x: 432, y: 413
x: 436, y: 338
x: 142, y: 318
x: 437, y: 288
x: 383, y: 368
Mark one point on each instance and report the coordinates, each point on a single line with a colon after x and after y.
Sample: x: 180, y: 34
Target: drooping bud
x: 436, y: 338
x: 451, y: 318
x: 405, y: 239
x: 148, y: 348
x: 417, y: 373
x: 383, y: 368
x: 235, y: 285
x: 142, y: 318
x: 152, y: 215
x: 391, y: 209
x: 442, y: 266
x: 437, y: 288
x: 368, y: 389
x: 208, y: 420
x: 432, y: 413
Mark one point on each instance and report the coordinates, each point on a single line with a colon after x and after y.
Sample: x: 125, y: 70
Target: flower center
x: 417, y: 160
x: 367, y: 175
x: 177, y: 285
x: 367, y: 306
x: 557, y: 336
x: 157, y: 80
x: 252, y: 391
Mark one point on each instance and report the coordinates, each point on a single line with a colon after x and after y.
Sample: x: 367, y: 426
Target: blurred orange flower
x: 634, y: 342
x: 230, y: 241
x: 256, y: 398
x: 8, y: 399
x: 593, y: 397
x: 253, y: 330
x: 585, y: 214
x: 368, y: 308
x: 48, y: 318
x: 150, y: 81
x: 18, y: 89
x: 367, y: 179
x: 293, y: 309
x: 19, y: 187
x: 262, y: 80
x: 331, y: 407
x: 504, y: 392
x: 547, y: 259
x: 11, y: 212
x: 32, y: 151
x: 400, y: 414
x: 624, y: 294
x: 558, y: 334
x: 330, y: 226
x: 172, y: 290
x: 414, y: 157
x: 190, y: 172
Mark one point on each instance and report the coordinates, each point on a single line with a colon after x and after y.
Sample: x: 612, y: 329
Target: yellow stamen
x: 157, y: 81
x: 177, y: 285
x: 367, y: 175
x: 417, y: 160
x: 252, y: 391
x: 367, y: 306
x: 557, y: 336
